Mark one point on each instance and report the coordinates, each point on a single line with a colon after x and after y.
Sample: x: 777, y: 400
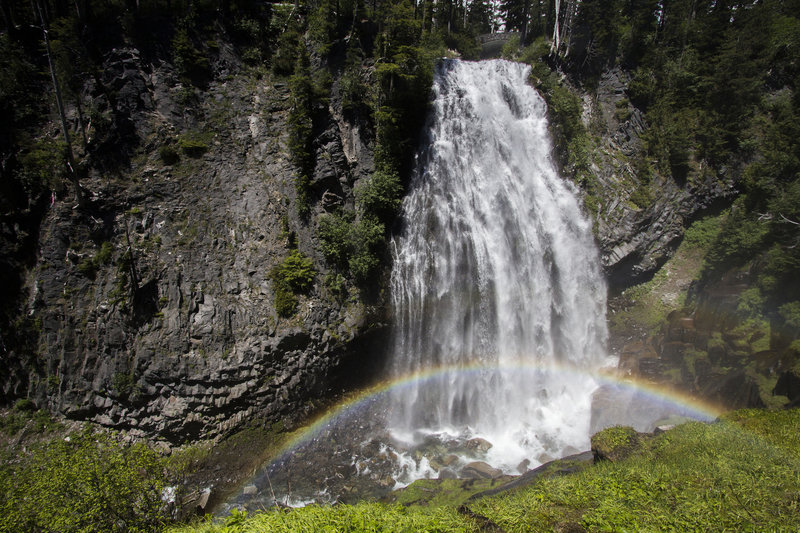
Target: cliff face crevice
x: 154, y: 303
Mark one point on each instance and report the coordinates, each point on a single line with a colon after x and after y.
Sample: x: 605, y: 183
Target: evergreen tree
x: 480, y: 16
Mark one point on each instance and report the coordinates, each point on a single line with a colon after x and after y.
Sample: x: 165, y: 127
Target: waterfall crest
x: 495, y: 270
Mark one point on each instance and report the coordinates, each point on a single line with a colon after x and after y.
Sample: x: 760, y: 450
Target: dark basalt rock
x: 174, y: 334
x: 634, y: 242
x: 789, y: 385
x: 736, y: 391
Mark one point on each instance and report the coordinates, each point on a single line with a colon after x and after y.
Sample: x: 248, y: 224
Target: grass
x: 343, y: 518
x: 741, y: 473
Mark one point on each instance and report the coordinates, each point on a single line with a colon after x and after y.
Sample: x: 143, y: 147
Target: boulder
x: 480, y: 470
x: 736, y: 390
x: 446, y: 473
x: 615, y: 443
x: 478, y: 444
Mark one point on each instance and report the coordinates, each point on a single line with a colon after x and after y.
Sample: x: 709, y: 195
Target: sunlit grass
x: 709, y: 477
x: 738, y: 474
x: 342, y: 518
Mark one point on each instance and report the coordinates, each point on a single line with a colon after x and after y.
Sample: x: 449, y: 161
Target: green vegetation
x: 194, y: 144
x: 89, y: 266
x: 382, y: 196
x: 646, y: 305
x: 294, y: 275
x: 342, y: 519
x: 168, y: 155
x: 301, y: 129
x: 697, y: 477
x: 736, y: 474
x: 614, y: 443
x: 23, y: 414
x: 192, y: 64
x: 354, y: 249
x: 84, y: 482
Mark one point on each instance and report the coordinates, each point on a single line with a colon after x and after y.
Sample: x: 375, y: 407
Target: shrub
x: 192, y: 64
x: 355, y: 248
x: 24, y: 405
x: 295, y: 272
x: 294, y: 275
x: 88, y: 266
x: 382, y: 195
x: 285, y: 301
x: 193, y: 147
x: 168, y: 155
x: 86, y: 482
x: 365, y: 263
x: 335, y: 239
x: 790, y: 313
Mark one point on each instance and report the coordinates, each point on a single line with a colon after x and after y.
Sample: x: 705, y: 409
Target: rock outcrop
x: 155, y: 305
x: 635, y: 240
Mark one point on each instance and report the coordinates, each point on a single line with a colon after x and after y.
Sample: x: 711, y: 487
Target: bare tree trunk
x: 566, y: 26
x: 556, y: 37
x: 71, y: 166
x: 82, y: 123
x: 526, y: 7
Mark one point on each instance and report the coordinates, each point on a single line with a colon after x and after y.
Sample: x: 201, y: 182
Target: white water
x: 496, y: 268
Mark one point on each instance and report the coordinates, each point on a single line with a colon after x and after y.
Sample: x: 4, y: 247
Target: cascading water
x: 495, y: 270
x: 500, y: 315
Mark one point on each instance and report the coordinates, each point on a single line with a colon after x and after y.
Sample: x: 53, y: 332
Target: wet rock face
x: 155, y: 303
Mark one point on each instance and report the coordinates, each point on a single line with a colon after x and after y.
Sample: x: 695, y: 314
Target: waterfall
x: 496, y: 277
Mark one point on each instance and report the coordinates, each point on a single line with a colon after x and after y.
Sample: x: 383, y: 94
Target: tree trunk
x: 525, y: 10
x: 556, y: 37
x: 566, y: 26
x: 72, y: 170
x: 82, y: 123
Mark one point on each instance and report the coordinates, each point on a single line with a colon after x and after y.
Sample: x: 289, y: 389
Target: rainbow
x: 354, y: 402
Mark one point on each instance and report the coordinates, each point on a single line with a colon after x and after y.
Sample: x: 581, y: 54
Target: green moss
x: 193, y: 147
x: 615, y: 443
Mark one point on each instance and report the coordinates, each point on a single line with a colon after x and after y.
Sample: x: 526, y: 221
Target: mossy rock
x: 615, y: 443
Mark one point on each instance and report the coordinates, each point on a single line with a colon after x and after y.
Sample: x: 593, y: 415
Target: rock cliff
x: 153, y: 303
x: 637, y: 235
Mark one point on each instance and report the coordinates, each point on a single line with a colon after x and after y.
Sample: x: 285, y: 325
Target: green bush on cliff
x: 382, y: 195
x: 294, y: 275
x: 354, y: 248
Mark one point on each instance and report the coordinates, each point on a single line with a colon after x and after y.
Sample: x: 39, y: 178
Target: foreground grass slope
x: 739, y: 474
